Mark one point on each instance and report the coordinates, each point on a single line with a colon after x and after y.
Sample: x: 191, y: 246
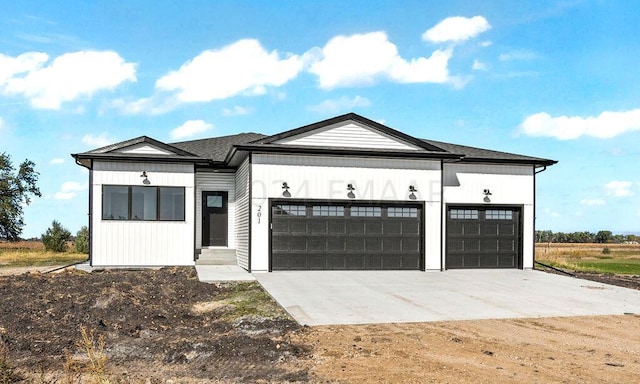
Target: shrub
x: 56, y: 237
x: 606, y: 250
x: 82, y: 240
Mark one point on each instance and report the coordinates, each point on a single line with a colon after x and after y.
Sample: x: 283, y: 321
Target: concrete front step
x: 214, y: 256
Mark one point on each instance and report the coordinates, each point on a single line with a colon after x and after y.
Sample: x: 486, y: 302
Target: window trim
x: 130, y: 203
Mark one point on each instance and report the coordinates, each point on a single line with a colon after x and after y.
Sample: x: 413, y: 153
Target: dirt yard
x: 165, y: 324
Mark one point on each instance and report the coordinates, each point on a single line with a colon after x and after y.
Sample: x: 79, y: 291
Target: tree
x: 603, y: 236
x: 56, y: 237
x: 82, y: 240
x: 16, y: 190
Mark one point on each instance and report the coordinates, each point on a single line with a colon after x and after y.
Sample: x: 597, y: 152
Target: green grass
x: 600, y: 265
x: 11, y: 258
x: 249, y: 299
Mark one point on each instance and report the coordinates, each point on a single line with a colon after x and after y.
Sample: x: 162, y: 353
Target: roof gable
x: 350, y: 131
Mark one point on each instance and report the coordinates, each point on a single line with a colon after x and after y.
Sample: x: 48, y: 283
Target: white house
x: 344, y: 193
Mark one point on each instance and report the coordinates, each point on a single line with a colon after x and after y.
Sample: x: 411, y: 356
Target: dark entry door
x: 214, y: 218
x: 481, y: 237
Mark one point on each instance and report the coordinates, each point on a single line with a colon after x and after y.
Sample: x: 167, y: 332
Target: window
x: 468, y: 214
x: 366, y: 211
x: 402, y: 212
x: 328, y: 210
x: 115, y: 202
x: 214, y: 201
x: 290, y: 210
x: 122, y: 202
x: 499, y: 214
x: 172, y: 203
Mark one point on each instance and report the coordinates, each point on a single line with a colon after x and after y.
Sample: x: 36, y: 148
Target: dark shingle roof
x: 216, y: 148
x: 479, y: 154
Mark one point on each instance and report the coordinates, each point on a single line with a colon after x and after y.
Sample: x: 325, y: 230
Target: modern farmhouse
x: 343, y: 194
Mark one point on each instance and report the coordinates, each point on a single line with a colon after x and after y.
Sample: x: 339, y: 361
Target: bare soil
x: 165, y: 324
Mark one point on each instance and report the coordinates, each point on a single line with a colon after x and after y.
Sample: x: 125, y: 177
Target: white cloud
x: 236, y: 111
x: 242, y: 67
x: 604, y: 126
x: 592, y: 202
x: 517, y: 55
x: 57, y: 160
x: 1, y: 124
x: 97, y: 141
x: 456, y: 28
x: 69, y: 190
x: 361, y: 59
x: 341, y: 104
x: 66, y: 78
x: 190, y: 128
x: 619, y: 188
x: 479, y: 66
x: 486, y: 43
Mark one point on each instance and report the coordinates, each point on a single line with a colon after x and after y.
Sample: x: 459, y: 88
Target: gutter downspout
x: 535, y: 216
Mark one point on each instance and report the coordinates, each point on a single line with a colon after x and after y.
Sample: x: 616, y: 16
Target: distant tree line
x: 602, y: 237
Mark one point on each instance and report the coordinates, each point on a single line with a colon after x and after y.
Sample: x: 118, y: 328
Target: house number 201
x: 259, y: 214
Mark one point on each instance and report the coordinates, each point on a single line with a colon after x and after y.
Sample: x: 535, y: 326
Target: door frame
x: 422, y: 216
x: 520, y: 229
x: 206, y: 225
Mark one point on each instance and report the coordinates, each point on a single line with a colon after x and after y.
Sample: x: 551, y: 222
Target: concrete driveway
x: 359, y: 297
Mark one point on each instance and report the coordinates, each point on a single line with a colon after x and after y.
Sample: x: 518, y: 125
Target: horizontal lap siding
x: 142, y: 243
x: 350, y: 136
x: 215, y: 181
x: 242, y: 214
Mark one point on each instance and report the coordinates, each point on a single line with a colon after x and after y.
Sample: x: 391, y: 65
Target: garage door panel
x: 336, y: 244
x: 410, y: 228
x: 355, y: 244
x: 410, y: 245
x: 482, y: 237
x: 373, y: 227
x: 346, y: 236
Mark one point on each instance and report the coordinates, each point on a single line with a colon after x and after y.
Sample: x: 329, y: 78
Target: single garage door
x: 482, y: 237
x: 342, y: 236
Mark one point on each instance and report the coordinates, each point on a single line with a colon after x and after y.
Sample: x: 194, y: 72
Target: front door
x: 214, y: 219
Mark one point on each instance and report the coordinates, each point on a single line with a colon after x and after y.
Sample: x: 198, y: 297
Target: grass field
x: 32, y: 253
x: 620, y: 258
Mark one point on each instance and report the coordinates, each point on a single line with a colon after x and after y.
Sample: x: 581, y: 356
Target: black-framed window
x: 289, y: 210
x: 328, y: 210
x: 361, y: 211
x: 465, y: 214
x: 402, y: 212
x: 499, y: 214
x: 129, y: 202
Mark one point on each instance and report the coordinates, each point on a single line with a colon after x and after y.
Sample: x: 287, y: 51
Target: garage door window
x: 402, y: 212
x: 328, y: 210
x: 366, y: 211
x: 499, y: 214
x: 289, y: 210
x: 464, y: 214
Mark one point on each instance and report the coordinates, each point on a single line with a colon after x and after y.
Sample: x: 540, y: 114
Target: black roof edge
x: 340, y: 151
x: 143, y: 139
x: 157, y: 158
x: 355, y: 117
x: 535, y: 162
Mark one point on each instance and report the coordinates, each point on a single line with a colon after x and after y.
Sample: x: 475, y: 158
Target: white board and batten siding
x: 348, y: 135
x: 242, y: 214
x: 326, y: 178
x: 142, y: 243
x: 509, y: 185
x: 216, y: 182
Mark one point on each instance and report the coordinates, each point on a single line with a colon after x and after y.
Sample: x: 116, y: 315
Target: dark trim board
x: 320, y: 234
x: 476, y: 240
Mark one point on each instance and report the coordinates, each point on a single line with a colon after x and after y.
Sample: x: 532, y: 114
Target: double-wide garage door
x: 479, y: 237
x: 342, y: 236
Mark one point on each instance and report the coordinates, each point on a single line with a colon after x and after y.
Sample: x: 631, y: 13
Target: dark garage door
x: 482, y: 237
x: 321, y: 236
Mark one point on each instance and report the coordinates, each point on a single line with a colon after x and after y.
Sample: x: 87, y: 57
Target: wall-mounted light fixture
x: 351, y: 188
x: 286, y: 192
x: 486, y: 194
x: 413, y: 191
x: 145, y: 181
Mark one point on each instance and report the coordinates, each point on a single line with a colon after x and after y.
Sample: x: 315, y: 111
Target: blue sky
x: 554, y: 79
